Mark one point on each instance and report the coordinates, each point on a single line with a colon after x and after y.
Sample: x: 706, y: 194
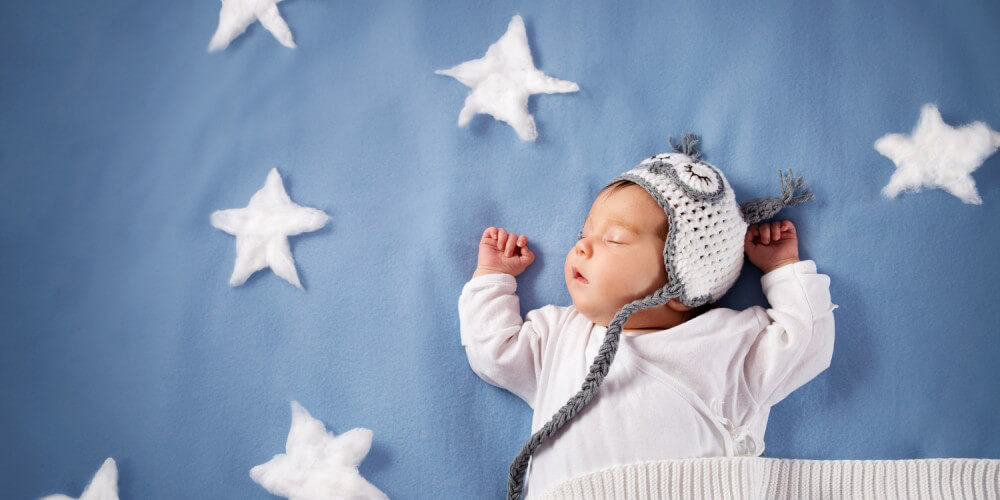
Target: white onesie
x: 703, y: 388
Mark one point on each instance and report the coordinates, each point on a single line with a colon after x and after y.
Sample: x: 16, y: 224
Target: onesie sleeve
x: 502, y: 349
x: 794, y: 339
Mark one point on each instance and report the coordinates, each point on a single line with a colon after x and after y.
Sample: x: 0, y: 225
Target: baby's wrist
x: 481, y: 270
x: 778, y: 264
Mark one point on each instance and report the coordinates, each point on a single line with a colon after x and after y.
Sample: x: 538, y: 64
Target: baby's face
x: 620, y: 255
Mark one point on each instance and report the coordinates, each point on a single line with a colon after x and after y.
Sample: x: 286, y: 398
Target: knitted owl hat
x: 703, y: 255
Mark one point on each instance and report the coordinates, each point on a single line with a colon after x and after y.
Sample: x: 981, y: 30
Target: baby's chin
x: 598, y: 314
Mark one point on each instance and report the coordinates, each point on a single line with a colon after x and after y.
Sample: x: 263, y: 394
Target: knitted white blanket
x: 781, y: 478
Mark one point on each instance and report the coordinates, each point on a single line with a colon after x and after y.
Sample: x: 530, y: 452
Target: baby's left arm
x: 795, y: 340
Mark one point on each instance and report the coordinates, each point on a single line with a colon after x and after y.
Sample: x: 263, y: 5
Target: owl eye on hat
x: 703, y: 255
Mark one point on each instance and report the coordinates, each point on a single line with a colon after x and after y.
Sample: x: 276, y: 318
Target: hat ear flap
x: 761, y: 209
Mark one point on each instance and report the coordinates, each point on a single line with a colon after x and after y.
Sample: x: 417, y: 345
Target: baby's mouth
x: 579, y: 277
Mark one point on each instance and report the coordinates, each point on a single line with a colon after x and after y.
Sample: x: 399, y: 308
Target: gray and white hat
x: 703, y: 256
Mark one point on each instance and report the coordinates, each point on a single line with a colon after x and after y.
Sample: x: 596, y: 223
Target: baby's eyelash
x: 609, y: 241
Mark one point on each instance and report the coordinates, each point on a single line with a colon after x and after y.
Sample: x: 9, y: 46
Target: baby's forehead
x: 631, y: 202
x: 627, y: 194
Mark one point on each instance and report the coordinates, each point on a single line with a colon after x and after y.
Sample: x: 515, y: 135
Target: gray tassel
x: 762, y: 209
x: 688, y: 146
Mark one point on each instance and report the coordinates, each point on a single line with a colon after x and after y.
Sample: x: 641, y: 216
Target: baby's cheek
x: 615, y: 292
x: 647, y: 281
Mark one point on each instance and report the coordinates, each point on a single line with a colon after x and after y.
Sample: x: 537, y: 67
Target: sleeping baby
x: 677, y: 378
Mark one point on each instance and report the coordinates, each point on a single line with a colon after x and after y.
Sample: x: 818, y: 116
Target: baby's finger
x: 776, y: 230
x: 527, y: 255
x: 788, y: 227
x: 501, y: 238
x: 522, y: 241
x: 511, y: 244
x: 489, y: 233
x: 765, y: 234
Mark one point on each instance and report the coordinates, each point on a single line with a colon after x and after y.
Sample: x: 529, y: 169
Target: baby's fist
x: 503, y: 252
x: 770, y: 245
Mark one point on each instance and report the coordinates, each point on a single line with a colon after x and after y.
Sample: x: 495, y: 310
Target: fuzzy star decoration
x: 104, y: 485
x: 503, y: 80
x: 262, y: 229
x: 236, y: 15
x: 318, y: 465
x: 937, y: 155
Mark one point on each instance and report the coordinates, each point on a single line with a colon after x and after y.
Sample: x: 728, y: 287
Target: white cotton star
x: 503, y: 80
x: 236, y: 15
x: 937, y: 155
x: 104, y: 485
x: 262, y: 230
x: 316, y: 464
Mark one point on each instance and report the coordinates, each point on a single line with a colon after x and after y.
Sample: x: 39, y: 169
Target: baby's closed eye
x: 607, y: 240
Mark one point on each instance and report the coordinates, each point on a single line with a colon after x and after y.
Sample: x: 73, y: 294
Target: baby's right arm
x: 502, y: 349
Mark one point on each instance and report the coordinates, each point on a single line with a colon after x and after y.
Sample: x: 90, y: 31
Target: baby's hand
x: 503, y: 252
x: 772, y: 245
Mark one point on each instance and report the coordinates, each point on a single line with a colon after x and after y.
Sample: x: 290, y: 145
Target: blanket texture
x: 792, y: 479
